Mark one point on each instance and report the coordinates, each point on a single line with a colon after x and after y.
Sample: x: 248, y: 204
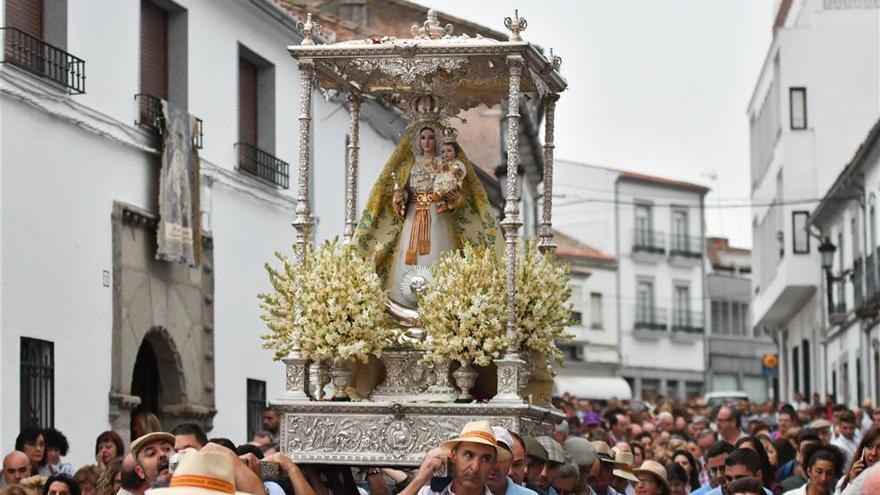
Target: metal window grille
x: 256, y: 404
x: 37, y: 394
x: 150, y: 116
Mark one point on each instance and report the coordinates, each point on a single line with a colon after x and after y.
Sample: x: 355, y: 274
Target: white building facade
x: 654, y: 227
x: 809, y: 110
x: 89, y: 318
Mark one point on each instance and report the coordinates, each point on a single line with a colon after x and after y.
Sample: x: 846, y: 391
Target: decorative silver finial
x: 515, y: 26
x: 431, y: 29
x: 555, y: 60
x: 310, y: 29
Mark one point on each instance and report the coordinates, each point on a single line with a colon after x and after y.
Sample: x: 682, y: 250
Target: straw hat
x: 623, y: 465
x: 142, y: 441
x: 656, y: 470
x: 201, y: 473
x: 477, y: 432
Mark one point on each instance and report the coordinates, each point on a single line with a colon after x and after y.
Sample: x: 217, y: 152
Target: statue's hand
x: 451, y: 198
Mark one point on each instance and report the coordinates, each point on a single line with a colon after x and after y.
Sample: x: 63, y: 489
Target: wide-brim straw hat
x: 202, y: 473
x: 623, y: 465
x: 656, y: 470
x: 477, y: 432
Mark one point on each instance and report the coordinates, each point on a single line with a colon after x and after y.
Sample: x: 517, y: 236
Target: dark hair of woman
x: 830, y: 453
x: 110, y: 436
x: 784, y: 452
x: 868, y: 439
x: 72, y: 485
x: 694, y: 474
x: 56, y: 439
x: 745, y: 485
x: 767, y: 472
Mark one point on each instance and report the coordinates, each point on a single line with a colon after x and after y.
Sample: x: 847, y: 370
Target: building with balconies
x: 808, y: 112
x: 735, y: 348
x: 654, y: 226
x: 846, y: 220
x: 95, y: 328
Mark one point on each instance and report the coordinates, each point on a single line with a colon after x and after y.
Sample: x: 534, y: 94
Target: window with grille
x: 37, y: 393
x: 256, y: 404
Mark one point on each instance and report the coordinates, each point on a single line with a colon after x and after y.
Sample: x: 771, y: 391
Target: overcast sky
x: 655, y: 86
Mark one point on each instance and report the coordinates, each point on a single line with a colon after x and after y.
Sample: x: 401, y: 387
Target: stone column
x: 546, y: 243
x: 302, y: 220
x: 510, y: 365
x: 351, y: 173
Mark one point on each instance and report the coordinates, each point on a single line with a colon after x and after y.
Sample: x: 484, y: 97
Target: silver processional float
x: 403, y: 407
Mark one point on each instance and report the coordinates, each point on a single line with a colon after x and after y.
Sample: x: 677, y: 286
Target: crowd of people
x: 612, y: 448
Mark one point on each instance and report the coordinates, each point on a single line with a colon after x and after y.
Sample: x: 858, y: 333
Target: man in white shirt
x: 473, y: 455
x: 845, y: 437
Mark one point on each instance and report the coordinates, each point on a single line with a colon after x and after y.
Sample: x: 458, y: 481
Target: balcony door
x: 681, y: 305
x: 679, y: 229
x: 644, y: 225
x: 645, y: 301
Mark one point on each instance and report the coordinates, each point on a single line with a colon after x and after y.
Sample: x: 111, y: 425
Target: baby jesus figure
x: 449, y: 177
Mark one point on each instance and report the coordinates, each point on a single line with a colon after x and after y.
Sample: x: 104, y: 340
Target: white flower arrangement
x: 332, y: 306
x: 543, y: 309
x: 463, y: 309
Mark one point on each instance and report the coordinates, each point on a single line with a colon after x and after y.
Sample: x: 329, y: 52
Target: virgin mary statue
x: 415, y: 212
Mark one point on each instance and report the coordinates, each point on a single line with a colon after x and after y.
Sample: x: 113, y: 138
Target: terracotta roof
x: 716, y: 245
x: 568, y: 247
x: 664, y: 181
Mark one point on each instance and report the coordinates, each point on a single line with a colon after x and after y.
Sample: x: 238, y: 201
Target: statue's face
x: 448, y: 152
x: 428, y: 142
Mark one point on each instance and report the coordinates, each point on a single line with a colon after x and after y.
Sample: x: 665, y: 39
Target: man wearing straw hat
x: 623, y: 472
x: 473, y: 455
x: 209, y: 472
x: 601, y: 472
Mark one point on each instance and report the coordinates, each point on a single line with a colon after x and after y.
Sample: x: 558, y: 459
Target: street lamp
x: 827, y: 250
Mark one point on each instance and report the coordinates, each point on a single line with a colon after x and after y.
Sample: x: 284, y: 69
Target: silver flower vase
x: 465, y: 378
x: 343, y: 378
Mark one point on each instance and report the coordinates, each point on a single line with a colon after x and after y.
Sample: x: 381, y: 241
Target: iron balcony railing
x: 650, y: 318
x: 34, y: 55
x: 649, y: 241
x: 262, y: 165
x: 150, y: 115
x: 686, y: 246
x: 870, y: 276
x: 687, y: 321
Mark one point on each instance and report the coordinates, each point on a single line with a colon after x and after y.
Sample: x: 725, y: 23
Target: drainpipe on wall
x: 636, y: 393
x: 865, y: 366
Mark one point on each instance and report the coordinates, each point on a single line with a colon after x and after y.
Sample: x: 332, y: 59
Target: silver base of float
x: 389, y: 434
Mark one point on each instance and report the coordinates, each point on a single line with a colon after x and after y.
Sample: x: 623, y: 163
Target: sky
x: 655, y: 86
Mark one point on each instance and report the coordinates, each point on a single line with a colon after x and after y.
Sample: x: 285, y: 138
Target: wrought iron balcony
x: 857, y: 275
x: 650, y: 318
x: 262, y: 165
x: 34, y: 55
x: 649, y: 241
x: 686, y: 246
x: 870, y: 276
x: 687, y: 321
x: 150, y: 115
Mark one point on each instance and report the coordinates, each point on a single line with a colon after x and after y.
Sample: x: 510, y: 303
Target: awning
x: 593, y: 387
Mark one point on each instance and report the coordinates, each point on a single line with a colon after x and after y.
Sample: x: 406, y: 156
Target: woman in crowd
x: 866, y: 455
x: 108, y: 446
x: 110, y: 480
x: 784, y: 454
x: 823, y: 465
x: 678, y: 479
x: 652, y: 479
x: 144, y: 422
x: 56, y: 448
x: 745, y: 486
x: 61, y: 484
x: 687, y: 461
x: 87, y: 479
x: 638, y: 453
x: 31, y: 441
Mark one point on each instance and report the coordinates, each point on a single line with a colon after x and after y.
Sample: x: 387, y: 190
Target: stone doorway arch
x: 163, y: 329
